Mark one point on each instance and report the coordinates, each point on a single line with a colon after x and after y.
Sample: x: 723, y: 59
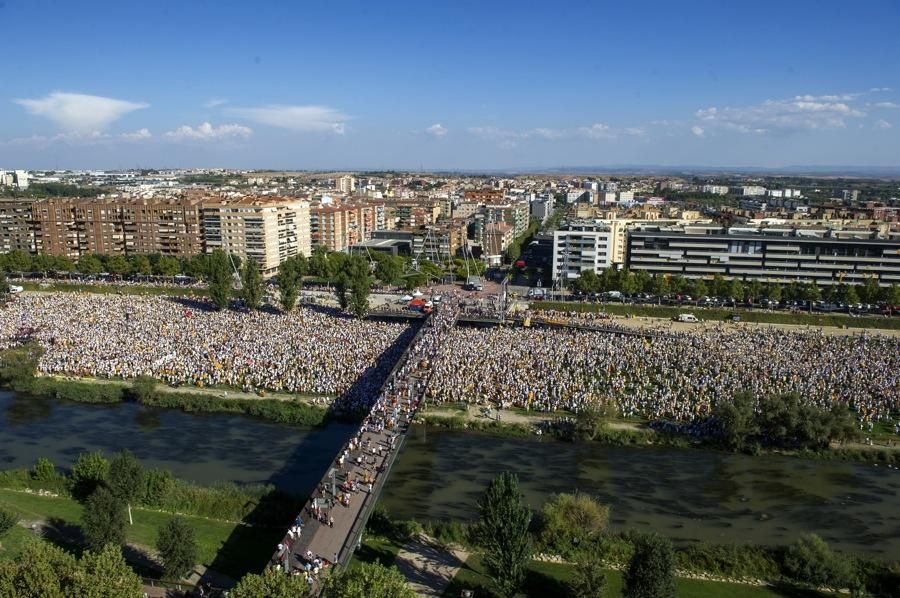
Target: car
x: 690, y: 318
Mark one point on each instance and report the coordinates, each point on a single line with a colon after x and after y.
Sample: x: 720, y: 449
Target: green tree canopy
x: 368, y: 580
x: 103, y: 519
x: 651, y: 570
x: 271, y: 584
x: 811, y: 560
x: 503, y: 532
x: 589, y: 578
x: 570, y: 522
x: 90, y: 264
x: 220, y: 279
x: 177, y: 548
x: 126, y: 478
x: 89, y: 471
x: 288, y: 284
x: 251, y: 285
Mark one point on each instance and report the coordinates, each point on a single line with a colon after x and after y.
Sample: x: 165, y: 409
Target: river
x: 686, y: 494
x: 203, y: 447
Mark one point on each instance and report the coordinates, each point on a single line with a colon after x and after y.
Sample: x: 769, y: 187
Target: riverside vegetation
x: 571, y: 531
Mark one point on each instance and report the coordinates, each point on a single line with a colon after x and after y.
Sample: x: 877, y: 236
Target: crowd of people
x: 677, y: 376
x: 311, y: 350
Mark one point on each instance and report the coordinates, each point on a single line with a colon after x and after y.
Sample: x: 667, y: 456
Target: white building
x: 625, y: 196
x: 345, y: 184
x: 21, y: 179
x: 749, y: 190
x: 581, y: 245
x: 715, y: 189
x: 541, y: 208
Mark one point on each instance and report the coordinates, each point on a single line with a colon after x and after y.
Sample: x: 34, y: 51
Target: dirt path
x: 223, y: 393
x: 428, y: 567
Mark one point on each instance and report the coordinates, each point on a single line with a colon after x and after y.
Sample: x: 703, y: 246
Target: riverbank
x: 616, y: 432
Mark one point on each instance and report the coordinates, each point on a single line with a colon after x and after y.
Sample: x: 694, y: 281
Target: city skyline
x: 461, y: 87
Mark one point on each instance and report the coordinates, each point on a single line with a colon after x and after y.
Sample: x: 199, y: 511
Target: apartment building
x: 116, y: 226
x: 16, y: 231
x: 580, y: 245
x: 267, y: 231
x: 484, y: 195
x: 337, y: 226
x: 345, y: 184
x: 439, y: 243
x: 778, y: 254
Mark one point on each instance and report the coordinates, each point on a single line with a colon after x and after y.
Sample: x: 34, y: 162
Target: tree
x: 718, y: 286
x: 388, y: 269
x: 774, y: 292
x: 660, y: 285
x: 252, y: 287
x: 698, y: 289
x: 651, y: 570
x: 271, y: 584
x: 318, y: 263
x: 89, y: 264
x: 89, y: 471
x: 736, y: 419
x: 851, y: 295
x: 103, y: 519
x: 736, y: 290
x: 591, y: 419
x: 140, y: 264
x: 503, y: 532
x: 589, y: 579
x: 360, y: 285
x: 219, y: 279
x: 570, y: 522
x: 369, y: 580
x: 126, y: 478
x: 811, y: 560
x: 587, y: 282
x: 177, y: 548
x: 4, y: 284
x: 754, y: 289
x: 105, y: 573
x: 117, y: 264
x: 167, y: 266
x: 288, y: 285
x: 891, y: 295
x: 18, y: 261
x: 46, y: 570
x: 341, y: 284
x: 627, y: 282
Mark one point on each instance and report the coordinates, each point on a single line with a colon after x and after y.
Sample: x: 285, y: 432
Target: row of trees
x: 196, y: 266
x: 640, y: 281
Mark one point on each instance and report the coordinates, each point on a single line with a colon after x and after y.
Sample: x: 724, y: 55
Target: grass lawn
x: 377, y: 549
x: 550, y: 579
x: 113, y: 289
x: 720, y: 314
x: 227, y: 547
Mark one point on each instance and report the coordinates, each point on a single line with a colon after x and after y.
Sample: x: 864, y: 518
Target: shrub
x: 103, y: 519
x: 89, y: 471
x: 8, y: 520
x: 811, y: 560
x: 651, y: 570
x: 450, y: 532
x: 730, y: 560
x: 43, y: 470
x: 571, y: 521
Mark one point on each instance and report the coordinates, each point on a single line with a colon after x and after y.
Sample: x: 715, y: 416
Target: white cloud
x: 437, y: 129
x: 215, y: 102
x: 795, y: 114
x: 883, y: 124
x: 79, y: 112
x: 886, y: 105
x: 508, y: 144
x: 207, y: 132
x: 596, y: 131
x: 138, y: 135
x: 698, y: 131
x: 296, y: 118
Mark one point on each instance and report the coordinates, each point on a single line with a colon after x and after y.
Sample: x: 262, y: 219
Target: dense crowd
x: 311, y: 350
x: 678, y: 376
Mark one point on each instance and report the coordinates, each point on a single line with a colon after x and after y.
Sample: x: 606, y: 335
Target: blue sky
x: 333, y: 85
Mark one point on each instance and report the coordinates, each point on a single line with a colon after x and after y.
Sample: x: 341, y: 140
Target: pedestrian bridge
x: 335, y: 516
